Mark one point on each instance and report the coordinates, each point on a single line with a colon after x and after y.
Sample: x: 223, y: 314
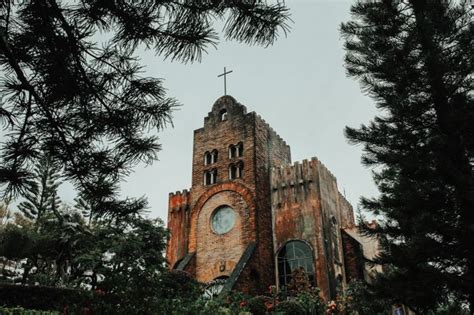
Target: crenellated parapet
x: 297, y: 174
x: 179, y: 201
x: 273, y: 133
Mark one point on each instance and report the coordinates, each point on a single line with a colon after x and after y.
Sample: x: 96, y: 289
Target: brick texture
x: 274, y: 200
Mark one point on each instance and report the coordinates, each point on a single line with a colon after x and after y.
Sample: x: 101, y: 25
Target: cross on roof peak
x: 224, y: 74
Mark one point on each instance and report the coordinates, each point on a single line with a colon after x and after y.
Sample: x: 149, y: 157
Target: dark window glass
x: 295, y: 255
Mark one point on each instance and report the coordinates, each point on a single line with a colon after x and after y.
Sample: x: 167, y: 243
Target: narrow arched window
x: 240, y: 149
x: 214, y: 156
x: 207, y: 158
x: 232, y: 151
x: 295, y: 257
x: 210, y: 177
x: 223, y: 115
x: 236, y: 170
x: 232, y: 171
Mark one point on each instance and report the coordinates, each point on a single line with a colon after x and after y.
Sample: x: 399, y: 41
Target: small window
x: 210, y: 157
x: 232, y: 151
x: 236, y: 170
x: 207, y: 158
x: 240, y: 149
x: 236, y: 150
x: 224, y: 115
x: 210, y: 177
x: 214, y: 156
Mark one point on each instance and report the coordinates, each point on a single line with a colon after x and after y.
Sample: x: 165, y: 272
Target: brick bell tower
x: 222, y: 227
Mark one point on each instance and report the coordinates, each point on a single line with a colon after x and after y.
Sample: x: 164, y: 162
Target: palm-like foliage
x: 415, y: 59
x: 85, y: 102
x: 41, y: 192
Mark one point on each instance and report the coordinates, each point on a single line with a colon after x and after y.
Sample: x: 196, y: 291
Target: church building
x: 253, y: 218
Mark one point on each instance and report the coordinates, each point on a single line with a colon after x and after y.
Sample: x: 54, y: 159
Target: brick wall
x: 305, y: 199
x: 274, y: 200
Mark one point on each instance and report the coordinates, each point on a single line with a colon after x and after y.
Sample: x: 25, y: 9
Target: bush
x: 41, y: 297
x: 290, y: 307
x: 256, y: 305
x: 22, y: 311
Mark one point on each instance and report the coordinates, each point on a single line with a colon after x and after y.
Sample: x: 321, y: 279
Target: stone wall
x: 307, y: 206
x: 178, y: 224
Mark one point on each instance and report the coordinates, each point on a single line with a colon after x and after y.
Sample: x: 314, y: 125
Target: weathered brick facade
x: 273, y: 202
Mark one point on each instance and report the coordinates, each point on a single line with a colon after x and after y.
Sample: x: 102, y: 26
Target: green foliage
x: 22, y: 311
x: 311, y: 301
x: 359, y: 298
x: 44, y: 298
x: 41, y: 193
x: 290, y: 307
x: 256, y: 305
x: 414, y: 58
x: 85, y: 101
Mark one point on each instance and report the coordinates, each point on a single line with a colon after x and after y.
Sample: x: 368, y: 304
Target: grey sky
x: 298, y: 86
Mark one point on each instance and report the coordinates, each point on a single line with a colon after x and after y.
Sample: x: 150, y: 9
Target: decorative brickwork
x: 271, y: 201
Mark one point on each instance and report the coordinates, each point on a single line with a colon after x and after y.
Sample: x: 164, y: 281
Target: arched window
x: 232, y: 151
x: 223, y: 115
x: 293, y: 257
x: 236, y: 150
x: 210, y: 177
x: 236, y: 170
x: 240, y: 149
x: 210, y: 157
x: 207, y: 158
x: 214, y: 156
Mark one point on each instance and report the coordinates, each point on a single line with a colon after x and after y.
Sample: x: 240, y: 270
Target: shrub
x: 290, y: 307
x: 22, y: 311
x: 41, y: 297
x: 256, y: 305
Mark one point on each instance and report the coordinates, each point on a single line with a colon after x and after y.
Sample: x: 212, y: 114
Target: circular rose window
x: 223, y: 219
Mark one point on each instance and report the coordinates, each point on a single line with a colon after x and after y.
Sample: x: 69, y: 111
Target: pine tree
x: 85, y: 101
x: 415, y: 59
x: 42, y: 193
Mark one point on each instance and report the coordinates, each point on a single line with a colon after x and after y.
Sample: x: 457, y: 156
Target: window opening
x: 240, y: 149
x: 210, y: 177
x: 214, y: 156
x: 232, y: 151
x: 224, y: 115
x: 236, y: 170
x: 295, y: 258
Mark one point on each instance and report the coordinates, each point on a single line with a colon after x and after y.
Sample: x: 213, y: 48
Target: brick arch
x: 236, y: 187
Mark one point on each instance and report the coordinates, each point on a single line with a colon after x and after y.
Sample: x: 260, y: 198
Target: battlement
x: 179, y: 200
x: 294, y: 175
x: 273, y: 133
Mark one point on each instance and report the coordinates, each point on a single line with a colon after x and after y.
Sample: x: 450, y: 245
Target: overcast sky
x: 298, y: 86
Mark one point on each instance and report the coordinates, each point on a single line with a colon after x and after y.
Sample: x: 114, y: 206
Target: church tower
x: 224, y: 222
x: 252, y: 218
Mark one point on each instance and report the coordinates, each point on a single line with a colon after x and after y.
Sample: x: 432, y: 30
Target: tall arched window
x: 240, y: 149
x: 293, y: 256
x: 207, y: 158
x: 214, y: 156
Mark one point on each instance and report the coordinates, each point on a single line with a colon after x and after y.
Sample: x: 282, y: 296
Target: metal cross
x: 225, y: 79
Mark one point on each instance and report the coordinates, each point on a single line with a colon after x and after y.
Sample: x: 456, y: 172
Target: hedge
x: 22, y: 311
x: 41, y: 297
